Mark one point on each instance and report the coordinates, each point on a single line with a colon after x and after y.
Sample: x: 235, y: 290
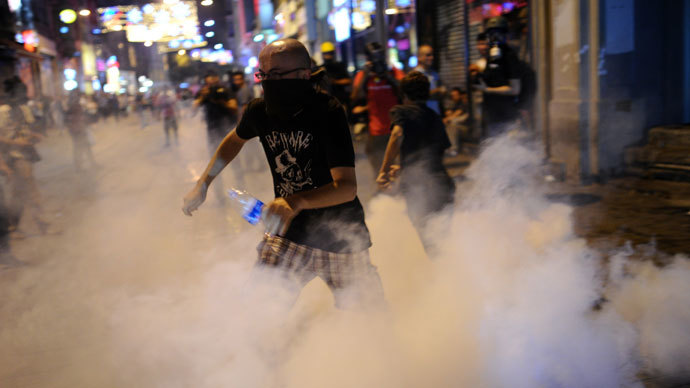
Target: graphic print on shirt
x: 295, y: 173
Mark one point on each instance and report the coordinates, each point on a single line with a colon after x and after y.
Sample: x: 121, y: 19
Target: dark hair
x: 210, y: 73
x: 236, y: 72
x: 372, y: 48
x: 481, y: 36
x: 415, y: 86
x: 459, y: 90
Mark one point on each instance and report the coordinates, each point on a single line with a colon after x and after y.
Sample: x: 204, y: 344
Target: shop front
x: 392, y: 23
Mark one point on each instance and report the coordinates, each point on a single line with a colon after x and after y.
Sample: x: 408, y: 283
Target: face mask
x: 285, y: 97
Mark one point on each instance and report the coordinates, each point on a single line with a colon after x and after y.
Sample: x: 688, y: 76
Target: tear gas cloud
x: 139, y: 297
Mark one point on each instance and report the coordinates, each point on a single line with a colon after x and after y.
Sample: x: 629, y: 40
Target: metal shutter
x: 451, y: 42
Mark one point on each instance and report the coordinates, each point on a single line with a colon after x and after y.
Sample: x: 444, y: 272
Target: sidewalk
x: 625, y: 209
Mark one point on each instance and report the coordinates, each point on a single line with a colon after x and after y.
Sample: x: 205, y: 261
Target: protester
x: 168, y: 108
x: 250, y: 160
x: 220, y: 109
x: 114, y: 106
x: 242, y: 92
x: 500, y: 81
x: 7, y: 258
x: 315, y: 225
x: 420, y: 139
x: 376, y: 90
x: 20, y: 157
x: 338, y: 76
x: 78, y: 131
x: 426, y: 63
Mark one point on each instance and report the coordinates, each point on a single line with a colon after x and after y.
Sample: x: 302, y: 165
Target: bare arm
x: 231, y: 105
x: 513, y: 89
x: 281, y: 211
x: 358, y: 87
x: 226, y: 152
x: 392, y: 152
x: 202, y: 96
x: 360, y: 109
x: 342, y: 81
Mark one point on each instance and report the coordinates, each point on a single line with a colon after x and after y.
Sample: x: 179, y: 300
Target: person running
x: 315, y: 225
x: 168, y: 106
x: 420, y: 138
x: 376, y: 91
x: 220, y: 109
x: 24, y: 193
x: 78, y: 131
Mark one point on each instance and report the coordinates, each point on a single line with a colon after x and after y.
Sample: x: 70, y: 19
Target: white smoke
x: 508, y: 301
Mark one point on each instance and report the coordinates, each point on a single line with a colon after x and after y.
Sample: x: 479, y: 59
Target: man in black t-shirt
x: 315, y: 226
x: 420, y: 138
x: 500, y: 81
x: 220, y: 109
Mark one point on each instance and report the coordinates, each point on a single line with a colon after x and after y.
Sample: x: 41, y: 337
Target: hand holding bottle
x: 278, y: 215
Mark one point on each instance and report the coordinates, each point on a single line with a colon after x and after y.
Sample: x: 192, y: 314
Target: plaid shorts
x: 352, y: 278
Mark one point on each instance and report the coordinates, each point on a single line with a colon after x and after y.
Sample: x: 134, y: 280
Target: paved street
x: 119, y: 236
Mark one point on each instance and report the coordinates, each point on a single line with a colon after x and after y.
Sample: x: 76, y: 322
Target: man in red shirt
x: 376, y: 91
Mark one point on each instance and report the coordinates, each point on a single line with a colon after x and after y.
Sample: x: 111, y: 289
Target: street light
x: 68, y: 16
x: 84, y: 12
x: 206, y: 3
x: 218, y: 46
x: 209, y: 23
x: 210, y: 34
x: 148, y: 43
x: 182, y: 52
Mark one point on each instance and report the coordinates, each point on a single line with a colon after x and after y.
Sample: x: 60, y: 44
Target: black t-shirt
x: 424, y: 136
x: 300, y: 152
x: 424, y: 180
x: 499, y: 72
x: 216, y: 112
x: 335, y: 71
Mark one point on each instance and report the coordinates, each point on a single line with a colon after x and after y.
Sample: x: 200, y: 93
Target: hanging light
x: 68, y: 16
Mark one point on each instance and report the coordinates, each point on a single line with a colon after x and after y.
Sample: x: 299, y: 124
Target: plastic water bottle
x: 249, y: 207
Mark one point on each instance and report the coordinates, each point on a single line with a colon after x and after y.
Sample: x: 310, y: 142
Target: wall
x: 641, y: 82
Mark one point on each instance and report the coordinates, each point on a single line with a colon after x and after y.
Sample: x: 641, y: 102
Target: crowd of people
x: 305, y: 121
x: 409, y: 123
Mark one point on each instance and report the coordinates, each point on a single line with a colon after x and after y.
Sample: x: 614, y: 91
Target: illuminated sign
x: 30, y: 40
x: 112, y: 62
x: 154, y: 22
x: 69, y: 74
x: 14, y: 5
x: 135, y: 16
x: 70, y: 85
x: 68, y: 16
x: 341, y: 23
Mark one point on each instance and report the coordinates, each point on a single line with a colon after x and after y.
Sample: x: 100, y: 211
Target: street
x: 127, y: 291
